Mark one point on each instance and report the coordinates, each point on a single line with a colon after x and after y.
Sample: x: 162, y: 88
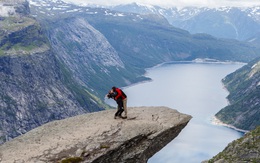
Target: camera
x: 109, y: 95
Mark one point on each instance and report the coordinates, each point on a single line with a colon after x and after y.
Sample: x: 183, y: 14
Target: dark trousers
x: 120, y: 109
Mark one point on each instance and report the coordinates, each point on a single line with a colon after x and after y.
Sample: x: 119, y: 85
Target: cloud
x: 175, y: 3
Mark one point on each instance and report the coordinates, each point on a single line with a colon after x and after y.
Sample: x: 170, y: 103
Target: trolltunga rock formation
x: 98, y: 137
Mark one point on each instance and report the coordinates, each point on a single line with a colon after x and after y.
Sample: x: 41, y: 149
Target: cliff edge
x: 98, y: 137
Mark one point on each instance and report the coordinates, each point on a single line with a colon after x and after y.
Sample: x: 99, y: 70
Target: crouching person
x: 121, y: 99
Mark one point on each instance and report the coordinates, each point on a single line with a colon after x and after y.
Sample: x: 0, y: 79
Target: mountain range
x: 119, y: 45
x: 222, y: 22
x: 59, y: 60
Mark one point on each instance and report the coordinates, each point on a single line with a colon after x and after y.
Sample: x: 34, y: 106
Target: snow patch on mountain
x: 6, y: 10
x: 48, y: 7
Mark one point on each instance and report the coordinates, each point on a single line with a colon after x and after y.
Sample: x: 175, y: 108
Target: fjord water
x: 191, y: 88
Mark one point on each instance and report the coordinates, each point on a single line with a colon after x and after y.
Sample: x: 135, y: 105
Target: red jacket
x: 120, y: 93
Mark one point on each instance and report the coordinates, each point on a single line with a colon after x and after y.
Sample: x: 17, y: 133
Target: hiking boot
x: 124, y: 117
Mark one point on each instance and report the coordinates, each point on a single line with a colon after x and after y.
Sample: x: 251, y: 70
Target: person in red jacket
x: 120, y: 94
x: 121, y: 99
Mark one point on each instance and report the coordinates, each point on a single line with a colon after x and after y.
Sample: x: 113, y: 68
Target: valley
x: 59, y: 59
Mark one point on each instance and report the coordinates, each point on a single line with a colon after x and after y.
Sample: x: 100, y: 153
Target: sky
x: 175, y: 3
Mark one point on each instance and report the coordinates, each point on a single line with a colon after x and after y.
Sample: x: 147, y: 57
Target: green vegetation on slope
x: 15, y: 23
x: 21, y: 35
x: 244, y: 87
x: 86, y: 99
x: 245, y: 149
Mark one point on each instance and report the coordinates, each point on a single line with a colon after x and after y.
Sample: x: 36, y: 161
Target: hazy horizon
x: 173, y: 3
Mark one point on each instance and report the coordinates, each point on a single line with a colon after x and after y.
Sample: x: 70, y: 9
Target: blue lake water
x: 191, y: 88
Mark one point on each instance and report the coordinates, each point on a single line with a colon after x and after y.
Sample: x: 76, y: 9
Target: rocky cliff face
x: 100, y: 45
x: 86, y: 52
x: 244, y: 87
x: 98, y: 137
x: 36, y: 87
x: 245, y: 149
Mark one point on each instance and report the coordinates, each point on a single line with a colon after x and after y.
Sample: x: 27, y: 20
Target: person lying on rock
x: 121, y: 99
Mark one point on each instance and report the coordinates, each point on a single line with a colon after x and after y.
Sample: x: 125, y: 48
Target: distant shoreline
x: 198, y: 60
x: 216, y: 121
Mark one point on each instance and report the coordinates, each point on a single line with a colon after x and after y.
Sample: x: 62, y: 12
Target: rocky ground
x: 98, y: 137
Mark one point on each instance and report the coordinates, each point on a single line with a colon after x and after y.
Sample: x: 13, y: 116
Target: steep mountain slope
x: 255, y: 40
x: 150, y: 39
x: 223, y: 22
x: 244, y: 87
x: 87, y: 52
x: 245, y: 149
x: 36, y: 87
x: 128, y: 43
x: 94, y: 62
x: 147, y: 34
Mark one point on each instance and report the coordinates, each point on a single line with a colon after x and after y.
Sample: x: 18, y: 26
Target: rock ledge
x: 97, y: 137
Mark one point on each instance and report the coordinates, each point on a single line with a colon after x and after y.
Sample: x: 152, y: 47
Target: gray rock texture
x: 245, y: 149
x: 98, y: 137
x: 36, y: 86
